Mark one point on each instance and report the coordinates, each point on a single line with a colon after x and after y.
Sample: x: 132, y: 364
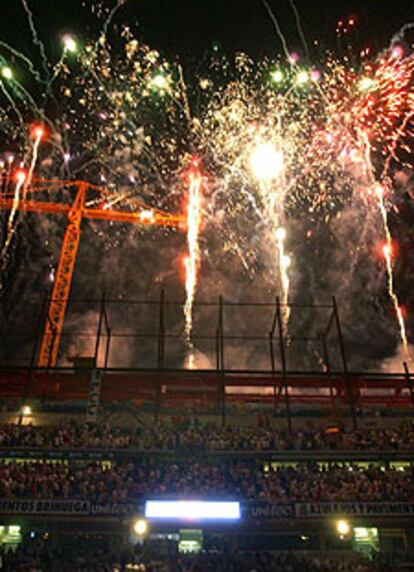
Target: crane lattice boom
x: 75, y: 213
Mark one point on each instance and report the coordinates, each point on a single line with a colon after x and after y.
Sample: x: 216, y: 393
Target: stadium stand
x: 64, y: 483
x: 41, y: 554
x: 207, y: 437
x: 241, y: 479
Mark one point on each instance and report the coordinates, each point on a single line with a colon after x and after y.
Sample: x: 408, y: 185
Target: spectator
x: 98, y: 556
x: 184, y: 437
x: 245, y: 479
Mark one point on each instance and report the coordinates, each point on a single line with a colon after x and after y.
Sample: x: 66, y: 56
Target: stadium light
x: 140, y: 527
x: 343, y: 528
x: 26, y: 410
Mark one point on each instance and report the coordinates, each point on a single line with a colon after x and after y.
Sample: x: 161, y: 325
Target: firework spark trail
x: 35, y: 36
x: 20, y: 181
x: 38, y: 134
x: 400, y: 35
x: 401, y: 132
x: 12, y: 103
x: 284, y: 263
x: 111, y: 15
x: 277, y: 28
x: 23, y: 181
x: 184, y: 95
x: 24, y: 58
x: 267, y: 162
x: 272, y: 215
x: 192, y: 261
x: 19, y: 88
x: 387, y: 251
x: 57, y: 69
x: 299, y: 27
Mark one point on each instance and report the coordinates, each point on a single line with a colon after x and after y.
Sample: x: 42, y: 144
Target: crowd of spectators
x: 146, y: 476
x: 241, y: 479
x: 169, y: 437
x: 43, y: 556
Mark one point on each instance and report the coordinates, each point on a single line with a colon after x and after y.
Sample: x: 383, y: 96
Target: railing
x: 233, y: 344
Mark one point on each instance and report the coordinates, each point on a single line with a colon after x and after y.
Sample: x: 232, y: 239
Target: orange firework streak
x: 14, y: 205
x: 192, y: 261
x: 75, y: 213
x: 387, y: 251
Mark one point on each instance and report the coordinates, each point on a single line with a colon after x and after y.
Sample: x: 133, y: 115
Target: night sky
x: 189, y: 28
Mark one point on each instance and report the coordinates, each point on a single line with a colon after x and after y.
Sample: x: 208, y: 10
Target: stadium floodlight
x: 140, y: 527
x: 196, y: 510
x: 343, y: 528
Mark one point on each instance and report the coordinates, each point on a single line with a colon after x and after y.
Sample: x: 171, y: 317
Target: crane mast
x: 75, y: 213
x: 57, y: 309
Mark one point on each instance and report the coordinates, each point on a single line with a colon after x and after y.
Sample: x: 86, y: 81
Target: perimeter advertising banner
x: 270, y: 511
x: 255, y: 511
x: 354, y: 509
x: 67, y: 507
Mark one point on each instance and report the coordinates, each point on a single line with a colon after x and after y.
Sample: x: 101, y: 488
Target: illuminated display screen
x: 192, y: 510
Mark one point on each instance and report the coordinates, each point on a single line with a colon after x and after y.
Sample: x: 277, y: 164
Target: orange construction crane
x: 90, y: 202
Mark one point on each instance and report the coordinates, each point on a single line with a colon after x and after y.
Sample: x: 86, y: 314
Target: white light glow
x: 277, y: 76
x: 69, y: 43
x: 147, y: 216
x: 367, y: 84
x: 192, y: 510
x: 20, y: 176
x: 160, y: 82
x: 302, y: 77
x: 285, y: 262
x: 7, y: 72
x: 266, y: 161
x: 343, y: 527
x: 140, y: 527
x: 281, y: 233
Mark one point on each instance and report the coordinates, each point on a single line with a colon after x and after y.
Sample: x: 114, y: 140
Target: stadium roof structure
x: 149, y: 364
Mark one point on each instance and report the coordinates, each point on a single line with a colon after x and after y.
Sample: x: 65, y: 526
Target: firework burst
x: 279, y: 142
